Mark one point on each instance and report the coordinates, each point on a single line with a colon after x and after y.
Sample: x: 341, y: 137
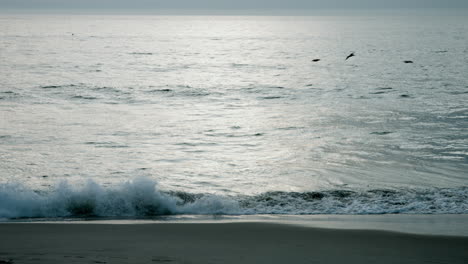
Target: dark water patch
x: 341, y: 193
x: 160, y: 90
x: 112, y: 146
x: 190, y: 144
x: 307, y: 196
x: 58, y: 86
x: 105, y: 144
x: 239, y: 65
x: 195, y: 151
x: 380, y: 92
x: 381, y: 133
x: 441, y: 51
x: 165, y: 69
x: 251, y: 89
x: 270, y: 97
x: 84, y: 97
x: 106, y: 89
x: 79, y: 206
x: 163, y: 259
x: 385, y: 88
x: 82, y: 207
x: 458, y: 92
x: 186, y: 90
x: 309, y: 85
x: 185, y: 197
x: 51, y: 87
x: 196, y: 93
x: 281, y: 198
x: 141, y: 53
x: 384, y: 193
x: 289, y: 128
x: 249, y: 145
x: 235, y: 127
x: 230, y: 135
x: 310, y: 196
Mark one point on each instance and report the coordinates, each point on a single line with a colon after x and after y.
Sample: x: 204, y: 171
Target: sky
x: 229, y: 4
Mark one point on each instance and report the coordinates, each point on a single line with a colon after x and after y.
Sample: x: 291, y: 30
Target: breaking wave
x: 141, y: 198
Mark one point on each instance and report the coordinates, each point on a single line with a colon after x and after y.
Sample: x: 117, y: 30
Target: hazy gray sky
x: 232, y: 4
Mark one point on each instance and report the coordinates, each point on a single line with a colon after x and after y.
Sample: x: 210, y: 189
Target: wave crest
x: 141, y: 198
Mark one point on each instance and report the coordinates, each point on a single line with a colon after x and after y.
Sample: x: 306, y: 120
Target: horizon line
x: 243, y: 11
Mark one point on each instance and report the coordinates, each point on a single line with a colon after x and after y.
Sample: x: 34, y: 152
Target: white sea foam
x: 141, y: 198
x: 136, y: 198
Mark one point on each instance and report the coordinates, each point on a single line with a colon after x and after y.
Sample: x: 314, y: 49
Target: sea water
x: 146, y: 115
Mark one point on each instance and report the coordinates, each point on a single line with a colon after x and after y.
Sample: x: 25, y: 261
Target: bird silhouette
x: 316, y: 60
x: 350, y: 55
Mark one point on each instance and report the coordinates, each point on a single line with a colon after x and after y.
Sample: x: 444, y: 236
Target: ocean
x: 140, y: 116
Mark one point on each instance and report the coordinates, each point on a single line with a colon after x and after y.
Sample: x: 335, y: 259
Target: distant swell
x: 141, y: 198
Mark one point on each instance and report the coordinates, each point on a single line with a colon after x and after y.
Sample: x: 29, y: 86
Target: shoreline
x: 418, y: 224
x: 247, y: 242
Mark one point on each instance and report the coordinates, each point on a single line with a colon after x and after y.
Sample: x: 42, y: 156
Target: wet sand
x: 219, y: 243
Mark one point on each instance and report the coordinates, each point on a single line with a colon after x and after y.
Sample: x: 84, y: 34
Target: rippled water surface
x: 235, y: 107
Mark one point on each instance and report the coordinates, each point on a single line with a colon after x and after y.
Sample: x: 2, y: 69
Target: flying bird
x: 408, y: 61
x: 350, y: 55
x: 316, y: 60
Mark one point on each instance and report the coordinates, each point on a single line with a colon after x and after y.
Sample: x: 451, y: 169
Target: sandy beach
x: 219, y: 243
